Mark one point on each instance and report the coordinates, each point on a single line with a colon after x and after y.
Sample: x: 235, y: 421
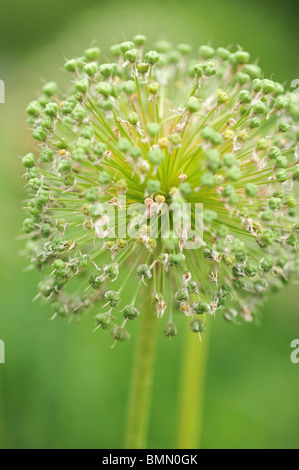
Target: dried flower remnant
x: 157, y: 127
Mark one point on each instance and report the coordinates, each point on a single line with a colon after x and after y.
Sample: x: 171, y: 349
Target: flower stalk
x: 192, y: 391
x: 142, y: 379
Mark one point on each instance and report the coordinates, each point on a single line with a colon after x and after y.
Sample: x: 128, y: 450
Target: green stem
x: 191, y: 390
x: 142, y: 378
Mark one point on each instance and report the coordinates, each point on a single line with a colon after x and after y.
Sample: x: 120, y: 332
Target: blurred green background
x: 63, y: 387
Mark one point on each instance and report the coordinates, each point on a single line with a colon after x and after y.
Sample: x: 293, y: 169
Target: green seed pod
x: 206, y: 51
x: 209, y: 216
x: 139, y: 39
x: 223, y: 53
x: 170, y: 330
x: 229, y: 160
x: 46, y: 287
x: 275, y: 203
x: 192, y: 287
x: 39, y: 134
x: 142, y: 67
x: 133, y: 118
x: 135, y: 152
x: 250, y: 270
x: 126, y: 46
x: 106, y: 104
x: 295, y: 172
x: 71, y: 65
x: 143, y: 271
x: 222, y: 97
x: 242, y: 78
x: 156, y: 155
x: 234, y: 173
x: 116, y: 50
x: 184, y: 49
x: 176, y: 259
x: 153, y: 186
x: 281, y: 102
x: 268, y: 86
x: 290, y: 201
x: 253, y: 70
x: 292, y: 240
x: 209, y: 69
x: 91, y: 68
x: 283, y: 126
x: 257, y: 84
x: 129, y: 87
x: 175, y: 139
x: 268, y: 237
x: 207, y: 133
x: 50, y: 88
x: 153, y: 128
x: 274, y: 152
x: 260, y: 285
x: 198, y: 70
x: 104, y: 320
x: 267, y: 215
x: 207, y: 179
x: 47, y: 122
x: 267, y: 264
x: 282, y: 260
x: 281, y: 162
x: 124, y: 144
x: 153, y: 88
x: 185, y: 189
x: 82, y: 85
x: 120, y: 334
x: 104, y: 178
x: 182, y: 295
x: 130, y: 312
x: 29, y: 160
x: 113, y: 298
x: 79, y: 113
x: 106, y: 70
x: 244, y: 96
x: 279, y: 89
x: 281, y: 175
x: 201, y: 307
x: 104, y: 88
x: 132, y: 55
x: 28, y: 225
x: 51, y: 109
x: 152, y: 57
x: 197, y: 326
x: 193, y: 105
x: 92, y: 53
x: 241, y: 255
x: 242, y: 57
x: 259, y: 107
x: 213, y: 159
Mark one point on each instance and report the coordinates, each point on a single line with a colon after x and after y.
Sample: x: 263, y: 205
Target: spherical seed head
x: 124, y: 160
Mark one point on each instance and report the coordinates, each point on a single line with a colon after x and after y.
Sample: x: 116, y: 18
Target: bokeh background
x: 62, y: 386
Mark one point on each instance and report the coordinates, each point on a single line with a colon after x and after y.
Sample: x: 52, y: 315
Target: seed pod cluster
x: 160, y: 126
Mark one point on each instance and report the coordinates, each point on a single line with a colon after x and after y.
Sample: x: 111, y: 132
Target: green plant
x: 161, y: 129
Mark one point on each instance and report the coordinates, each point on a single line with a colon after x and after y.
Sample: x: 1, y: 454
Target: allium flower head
x: 156, y: 129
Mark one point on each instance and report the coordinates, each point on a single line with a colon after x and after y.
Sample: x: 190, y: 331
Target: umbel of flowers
x: 157, y: 127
